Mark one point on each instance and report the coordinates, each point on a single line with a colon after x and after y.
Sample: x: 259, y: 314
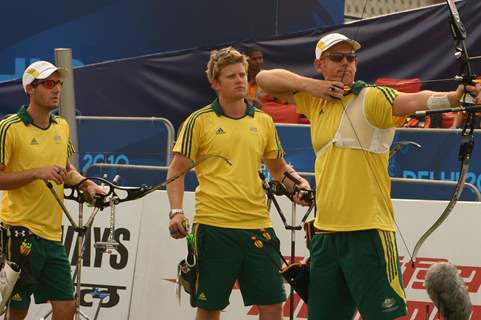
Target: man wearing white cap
x: 354, y: 259
x: 34, y: 148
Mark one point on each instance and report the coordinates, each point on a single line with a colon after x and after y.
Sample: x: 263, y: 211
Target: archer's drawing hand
x: 329, y: 90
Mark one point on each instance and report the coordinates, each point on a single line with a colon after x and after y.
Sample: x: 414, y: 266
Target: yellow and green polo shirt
x: 352, y: 186
x: 230, y: 196
x: 24, y: 146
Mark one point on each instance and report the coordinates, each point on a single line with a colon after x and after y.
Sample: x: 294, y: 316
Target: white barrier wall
x: 113, y: 273
x: 141, y: 276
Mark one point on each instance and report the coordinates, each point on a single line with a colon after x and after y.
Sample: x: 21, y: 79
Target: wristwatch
x: 174, y: 212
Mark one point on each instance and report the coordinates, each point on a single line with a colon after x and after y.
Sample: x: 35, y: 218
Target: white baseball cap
x: 40, y: 70
x: 331, y: 39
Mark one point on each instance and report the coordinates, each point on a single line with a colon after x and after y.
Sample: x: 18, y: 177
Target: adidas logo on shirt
x: 34, y: 142
x: 220, y: 131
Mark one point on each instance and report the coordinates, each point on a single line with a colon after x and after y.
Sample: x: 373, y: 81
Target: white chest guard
x: 366, y: 136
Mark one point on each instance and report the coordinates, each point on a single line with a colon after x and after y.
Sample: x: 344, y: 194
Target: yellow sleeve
x: 304, y: 103
x: 6, y: 142
x: 70, y: 147
x: 378, y: 107
x: 187, y: 142
x: 273, y: 149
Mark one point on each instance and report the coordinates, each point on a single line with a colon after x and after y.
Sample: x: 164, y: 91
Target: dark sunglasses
x: 339, y: 56
x: 48, y: 84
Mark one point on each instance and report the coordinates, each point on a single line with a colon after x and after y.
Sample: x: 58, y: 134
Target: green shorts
x: 352, y: 270
x: 227, y: 255
x: 50, y: 278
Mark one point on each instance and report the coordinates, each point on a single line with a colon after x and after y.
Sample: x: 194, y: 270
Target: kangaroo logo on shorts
x: 25, y: 248
x: 388, y: 304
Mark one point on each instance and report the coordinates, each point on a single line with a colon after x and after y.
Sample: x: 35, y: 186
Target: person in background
x: 255, y: 61
x: 458, y: 119
x: 354, y: 257
x: 280, y: 111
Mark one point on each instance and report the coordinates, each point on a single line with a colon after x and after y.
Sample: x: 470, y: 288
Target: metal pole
x: 276, y: 18
x: 80, y: 241
x: 63, y: 59
x: 293, y: 256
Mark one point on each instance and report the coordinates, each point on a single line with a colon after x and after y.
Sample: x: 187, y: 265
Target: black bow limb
x: 122, y: 194
x: 466, y: 77
x: 119, y: 193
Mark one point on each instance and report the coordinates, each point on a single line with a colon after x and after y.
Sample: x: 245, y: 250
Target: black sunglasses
x: 49, y: 84
x: 339, y: 56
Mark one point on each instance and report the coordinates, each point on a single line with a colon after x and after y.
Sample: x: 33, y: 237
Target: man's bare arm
x: 14, y: 180
x: 283, y: 84
x: 175, y: 193
x: 409, y: 103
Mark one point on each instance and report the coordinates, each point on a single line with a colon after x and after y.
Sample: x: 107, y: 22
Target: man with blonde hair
x: 231, y: 209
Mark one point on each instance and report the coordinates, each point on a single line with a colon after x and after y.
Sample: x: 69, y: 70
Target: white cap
x: 331, y: 39
x: 40, y: 70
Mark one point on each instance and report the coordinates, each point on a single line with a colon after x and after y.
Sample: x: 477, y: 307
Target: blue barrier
x: 124, y: 141
x: 436, y: 159
x: 147, y: 141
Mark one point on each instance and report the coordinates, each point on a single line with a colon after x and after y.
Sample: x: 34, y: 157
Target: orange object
x: 403, y: 85
x: 282, y: 113
x: 258, y: 244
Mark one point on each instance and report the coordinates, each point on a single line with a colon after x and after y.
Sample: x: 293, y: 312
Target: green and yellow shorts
x: 226, y: 255
x: 352, y: 270
x: 45, y: 268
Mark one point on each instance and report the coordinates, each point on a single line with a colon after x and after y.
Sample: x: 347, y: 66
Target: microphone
x: 448, y: 291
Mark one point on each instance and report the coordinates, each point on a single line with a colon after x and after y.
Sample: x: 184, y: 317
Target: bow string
x: 466, y: 77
